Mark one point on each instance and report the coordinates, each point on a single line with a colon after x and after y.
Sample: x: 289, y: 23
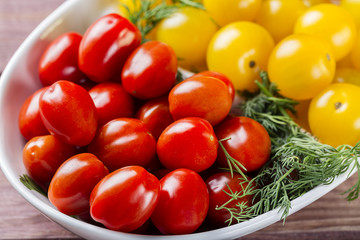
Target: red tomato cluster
x: 111, y: 134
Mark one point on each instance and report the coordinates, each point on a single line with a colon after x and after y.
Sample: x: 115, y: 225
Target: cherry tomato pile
x: 306, y: 46
x: 112, y: 135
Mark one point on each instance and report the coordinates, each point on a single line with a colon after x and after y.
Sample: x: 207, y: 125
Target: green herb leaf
x: 31, y: 184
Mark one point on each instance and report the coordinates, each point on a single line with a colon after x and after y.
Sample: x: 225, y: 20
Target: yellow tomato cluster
x: 310, y: 49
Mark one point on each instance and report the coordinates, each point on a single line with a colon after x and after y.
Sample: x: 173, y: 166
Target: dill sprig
x: 298, y: 162
x: 31, y: 184
x: 147, y: 15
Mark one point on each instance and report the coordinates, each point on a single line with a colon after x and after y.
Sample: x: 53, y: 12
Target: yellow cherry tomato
x: 228, y: 11
x: 279, y: 16
x: 310, y: 3
x: 353, y: 7
x: 188, y: 32
x: 347, y: 75
x: 334, y: 114
x: 332, y: 23
x: 240, y: 50
x: 301, y: 66
x: 134, y: 5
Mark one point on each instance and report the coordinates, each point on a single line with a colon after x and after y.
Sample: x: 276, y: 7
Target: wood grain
x: 329, y: 218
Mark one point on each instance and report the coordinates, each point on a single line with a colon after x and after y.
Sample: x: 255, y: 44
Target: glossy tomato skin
x: 69, y: 113
x: 156, y: 115
x: 334, y: 114
x: 111, y: 101
x: 221, y: 77
x: 316, y: 21
x: 188, y: 31
x: 60, y: 60
x: 150, y: 71
x: 246, y: 46
x: 125, y: 199
x: 105, y: 47
x: 29, y: 119
x: 219, y: 185
x: 229, y: 11
x: 249, y: 142
x: 123, y: 142
x: 188, y: 143
x: 301, y: 65
x: 73, y: 182
x: 183, y: 202
x: 199, y: 96
x: 43, y: 155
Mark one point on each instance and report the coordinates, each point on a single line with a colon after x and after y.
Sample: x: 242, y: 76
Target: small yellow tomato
x: 301, y: 66
x: 353, y: 7
x: 228, y: 11
x: 310, y: 3
x: 347, y: 75
x: 332, y: 23
x: 334, y: 114
x: 188, y: 32
x: 134, y: 5
x: 279, y: 16
x: 240, y: 50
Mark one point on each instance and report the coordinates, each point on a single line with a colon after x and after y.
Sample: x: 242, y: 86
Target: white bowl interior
x: 20, y: 80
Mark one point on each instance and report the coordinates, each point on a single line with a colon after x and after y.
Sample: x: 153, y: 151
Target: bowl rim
x: 236, y: 230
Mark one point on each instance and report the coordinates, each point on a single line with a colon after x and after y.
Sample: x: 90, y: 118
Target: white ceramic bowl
x: 20, y: 79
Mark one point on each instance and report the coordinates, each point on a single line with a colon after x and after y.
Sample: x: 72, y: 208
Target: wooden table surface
x: 329, y: 218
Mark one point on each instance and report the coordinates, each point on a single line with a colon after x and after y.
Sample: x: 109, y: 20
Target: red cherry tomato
x: 248, y: 143
x: 156, y: 115
x: 30, y: 122
x: 69, y: 113
x: 125, y: 199
x: 183, y: 202
x: 43, y: 155
x: 221, y: 77
x: 60, y: 60
x: 150, y: 71
x: 106, y: 45
x: 123, y: 142
x: 204, y: 97
x: 188, y: 143
x: 73, y: 182
x: 111, y: 101
x: 220, y: 185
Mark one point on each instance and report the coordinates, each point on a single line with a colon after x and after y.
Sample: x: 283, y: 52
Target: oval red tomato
x: 150, y: 71
x: 69, y: 113
x: 221, y: 186
x: 183, y: 202
x: 111, y: 101
x: 125, y: 199
x: 43, y: 155
x: 106, y: 45
x: 123, y: 142
x: 60, y: 60
x: 221, y: 77
x: 198, y: 96
x: 248, y: 143
x: 30, y: 122
x: 188, y: 143
x: 156, y: 115
x: 73, y: 182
